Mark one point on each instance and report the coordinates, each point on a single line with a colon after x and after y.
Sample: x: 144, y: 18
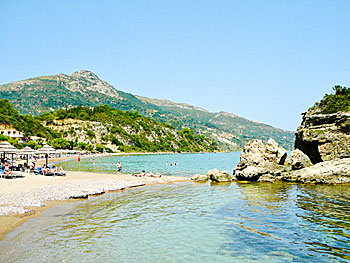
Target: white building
x: 11, y: 133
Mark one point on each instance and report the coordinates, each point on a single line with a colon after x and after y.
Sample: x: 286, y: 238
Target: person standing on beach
x: 119, y: 166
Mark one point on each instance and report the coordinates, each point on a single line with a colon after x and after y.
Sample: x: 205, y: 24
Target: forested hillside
x: 27, y: 124
x: 106, y: 128
x: 42, y: 94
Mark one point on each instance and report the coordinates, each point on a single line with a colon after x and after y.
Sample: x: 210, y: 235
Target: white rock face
x: 87, y: 80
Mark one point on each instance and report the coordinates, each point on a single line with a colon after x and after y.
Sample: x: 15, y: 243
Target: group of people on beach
x: 6, y: 167
x: 45, y: 169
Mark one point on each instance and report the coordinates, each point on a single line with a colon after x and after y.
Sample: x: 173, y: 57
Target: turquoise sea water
x: 188, y: 164
x: 190, y: 222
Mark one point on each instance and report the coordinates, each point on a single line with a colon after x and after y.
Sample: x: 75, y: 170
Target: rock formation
x: 259, y: 162
x: 200, y: 178
x: 269, y: 163
x: 217, y: 176
x: 324, y: 137
x: 213, y: 175
x: 300, y: 160
x: 322, y: 148
x: 331, y: 172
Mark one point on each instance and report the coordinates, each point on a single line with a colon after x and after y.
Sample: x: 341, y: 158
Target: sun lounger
x: 17, y: 174
x: 60, y: 173
x: 7, y: 175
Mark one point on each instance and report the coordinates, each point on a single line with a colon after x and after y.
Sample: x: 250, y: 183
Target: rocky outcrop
x: 300, y: 160
x: 330, y: 172
x: 324, y: 137
x: 217, y: 176
x: 269, y: 163
x: 214, y: 176
x: 200, y: 178
x: 259, y: 162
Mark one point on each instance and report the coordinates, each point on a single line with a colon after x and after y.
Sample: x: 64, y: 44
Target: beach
x: 24, y: 198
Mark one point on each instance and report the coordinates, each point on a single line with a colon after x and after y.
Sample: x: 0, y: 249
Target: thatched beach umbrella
x: 6, y: 147
x: 47, y: 149
x: 27, y: 151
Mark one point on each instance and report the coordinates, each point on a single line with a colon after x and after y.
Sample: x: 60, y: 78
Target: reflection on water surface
x: 193, y: 222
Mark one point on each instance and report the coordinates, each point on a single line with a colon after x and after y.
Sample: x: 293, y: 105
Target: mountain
x: 41, y: 94
x: 230, y: 130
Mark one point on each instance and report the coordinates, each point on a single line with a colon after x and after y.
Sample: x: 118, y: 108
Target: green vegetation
x: 90, y: 133
x: 332, y: 103
x: 130, y: 131
x: 58, y: 92
x: 27, y: 124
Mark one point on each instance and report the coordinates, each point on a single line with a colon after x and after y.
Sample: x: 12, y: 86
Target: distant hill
x: 41, y: 94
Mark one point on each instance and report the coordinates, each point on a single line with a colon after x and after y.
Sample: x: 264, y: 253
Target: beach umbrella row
x: 7, y: 148
x: 27, y: 151
x: 47, y: 149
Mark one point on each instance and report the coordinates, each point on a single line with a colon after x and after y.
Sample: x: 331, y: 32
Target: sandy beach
x: 24, y: 198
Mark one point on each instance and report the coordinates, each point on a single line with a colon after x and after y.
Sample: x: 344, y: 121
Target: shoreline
x: 55, y: 160
x: 24, y: 198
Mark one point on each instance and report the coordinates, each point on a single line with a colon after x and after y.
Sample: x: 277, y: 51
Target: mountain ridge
x: 48, y: 93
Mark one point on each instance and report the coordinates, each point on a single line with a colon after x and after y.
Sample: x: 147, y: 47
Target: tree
x: 31, y: 144
x: 99, y: 148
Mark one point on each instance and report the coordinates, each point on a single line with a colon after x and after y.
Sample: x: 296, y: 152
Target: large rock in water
x: 217, y: 176
x: 300, y: 160
x: 261, y: 162
x: 330, y: 172
x: 324, y: 137
x: 200, y: 178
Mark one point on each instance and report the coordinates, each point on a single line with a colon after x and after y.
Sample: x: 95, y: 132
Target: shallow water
x: 189, y: 222
x: 188, y: 164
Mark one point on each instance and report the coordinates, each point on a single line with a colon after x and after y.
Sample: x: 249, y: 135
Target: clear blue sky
x: 264, y: 60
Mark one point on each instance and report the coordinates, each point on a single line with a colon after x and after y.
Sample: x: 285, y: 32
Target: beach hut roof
x: 47, y: 149
x: 27, y: 150
x: 7, y: 147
